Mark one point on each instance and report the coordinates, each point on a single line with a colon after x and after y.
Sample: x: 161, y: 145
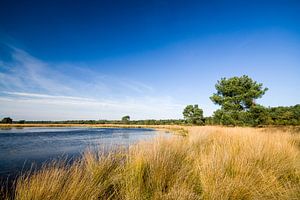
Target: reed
x: 210, y: 163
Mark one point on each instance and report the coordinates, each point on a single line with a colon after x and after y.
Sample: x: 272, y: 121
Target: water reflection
x: 20, y: 148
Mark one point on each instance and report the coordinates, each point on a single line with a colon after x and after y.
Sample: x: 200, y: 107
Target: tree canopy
x: 126, y: 118
x: 237, y: 93
x: 7, y: 120
x: 237, y: 96
x: 193, y: 114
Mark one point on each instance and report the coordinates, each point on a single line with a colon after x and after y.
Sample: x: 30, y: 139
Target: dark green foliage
x: 193, y: 114
x: 126, y: 119
x: 259, y: 115
x: 237, y: 93
x: 256, y: 115
x: 7, y: 120
x: 236, y: 96
x: 285, y: 115
x: 231, y: 117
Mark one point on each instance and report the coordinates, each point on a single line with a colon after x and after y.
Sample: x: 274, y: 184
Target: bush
x: 7, y: 120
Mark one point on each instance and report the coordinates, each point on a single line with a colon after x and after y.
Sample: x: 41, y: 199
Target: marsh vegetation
x: 209, y: 163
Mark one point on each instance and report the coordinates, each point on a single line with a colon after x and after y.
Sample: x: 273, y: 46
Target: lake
x: 20, y: 148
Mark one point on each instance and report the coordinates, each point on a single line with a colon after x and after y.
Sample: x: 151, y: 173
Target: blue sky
x: 148, y: 59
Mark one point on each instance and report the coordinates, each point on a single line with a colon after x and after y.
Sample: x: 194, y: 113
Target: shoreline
x: 183, y: 130
x: 175, y: 129
x: 212, y: 162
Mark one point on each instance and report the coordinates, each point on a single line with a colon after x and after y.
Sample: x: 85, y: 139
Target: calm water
x: 20, y: 148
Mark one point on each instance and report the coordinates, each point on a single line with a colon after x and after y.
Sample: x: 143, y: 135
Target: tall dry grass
x: 210, y: 163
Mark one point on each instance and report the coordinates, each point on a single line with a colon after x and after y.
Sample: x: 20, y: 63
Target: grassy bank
x: 211, y: 163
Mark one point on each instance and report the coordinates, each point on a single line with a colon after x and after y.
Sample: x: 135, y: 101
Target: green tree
x: 193, y: 114
x: 259, y: 115
x: 7, y: 120
x: 126, y: 119
x: 237, y: 93
x: 223, y: 117
x: 237, y: 96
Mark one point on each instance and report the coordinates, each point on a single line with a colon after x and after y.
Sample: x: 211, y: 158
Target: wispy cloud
x: 34, y: 95
x: 27, y: 73
x: 33, y: 89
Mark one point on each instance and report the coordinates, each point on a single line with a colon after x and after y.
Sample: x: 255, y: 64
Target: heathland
x: 208, y: 163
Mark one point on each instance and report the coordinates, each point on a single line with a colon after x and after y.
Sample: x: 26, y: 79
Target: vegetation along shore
x: 233, y: 159
x: 149, y: 100
x: 210, y: 163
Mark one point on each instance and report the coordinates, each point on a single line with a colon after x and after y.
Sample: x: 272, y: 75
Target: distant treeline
x: 236, y: 97
x: 258, y: 115
x: 133, y: 122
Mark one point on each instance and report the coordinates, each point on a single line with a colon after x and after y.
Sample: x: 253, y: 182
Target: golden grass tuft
x: 210, y: 163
